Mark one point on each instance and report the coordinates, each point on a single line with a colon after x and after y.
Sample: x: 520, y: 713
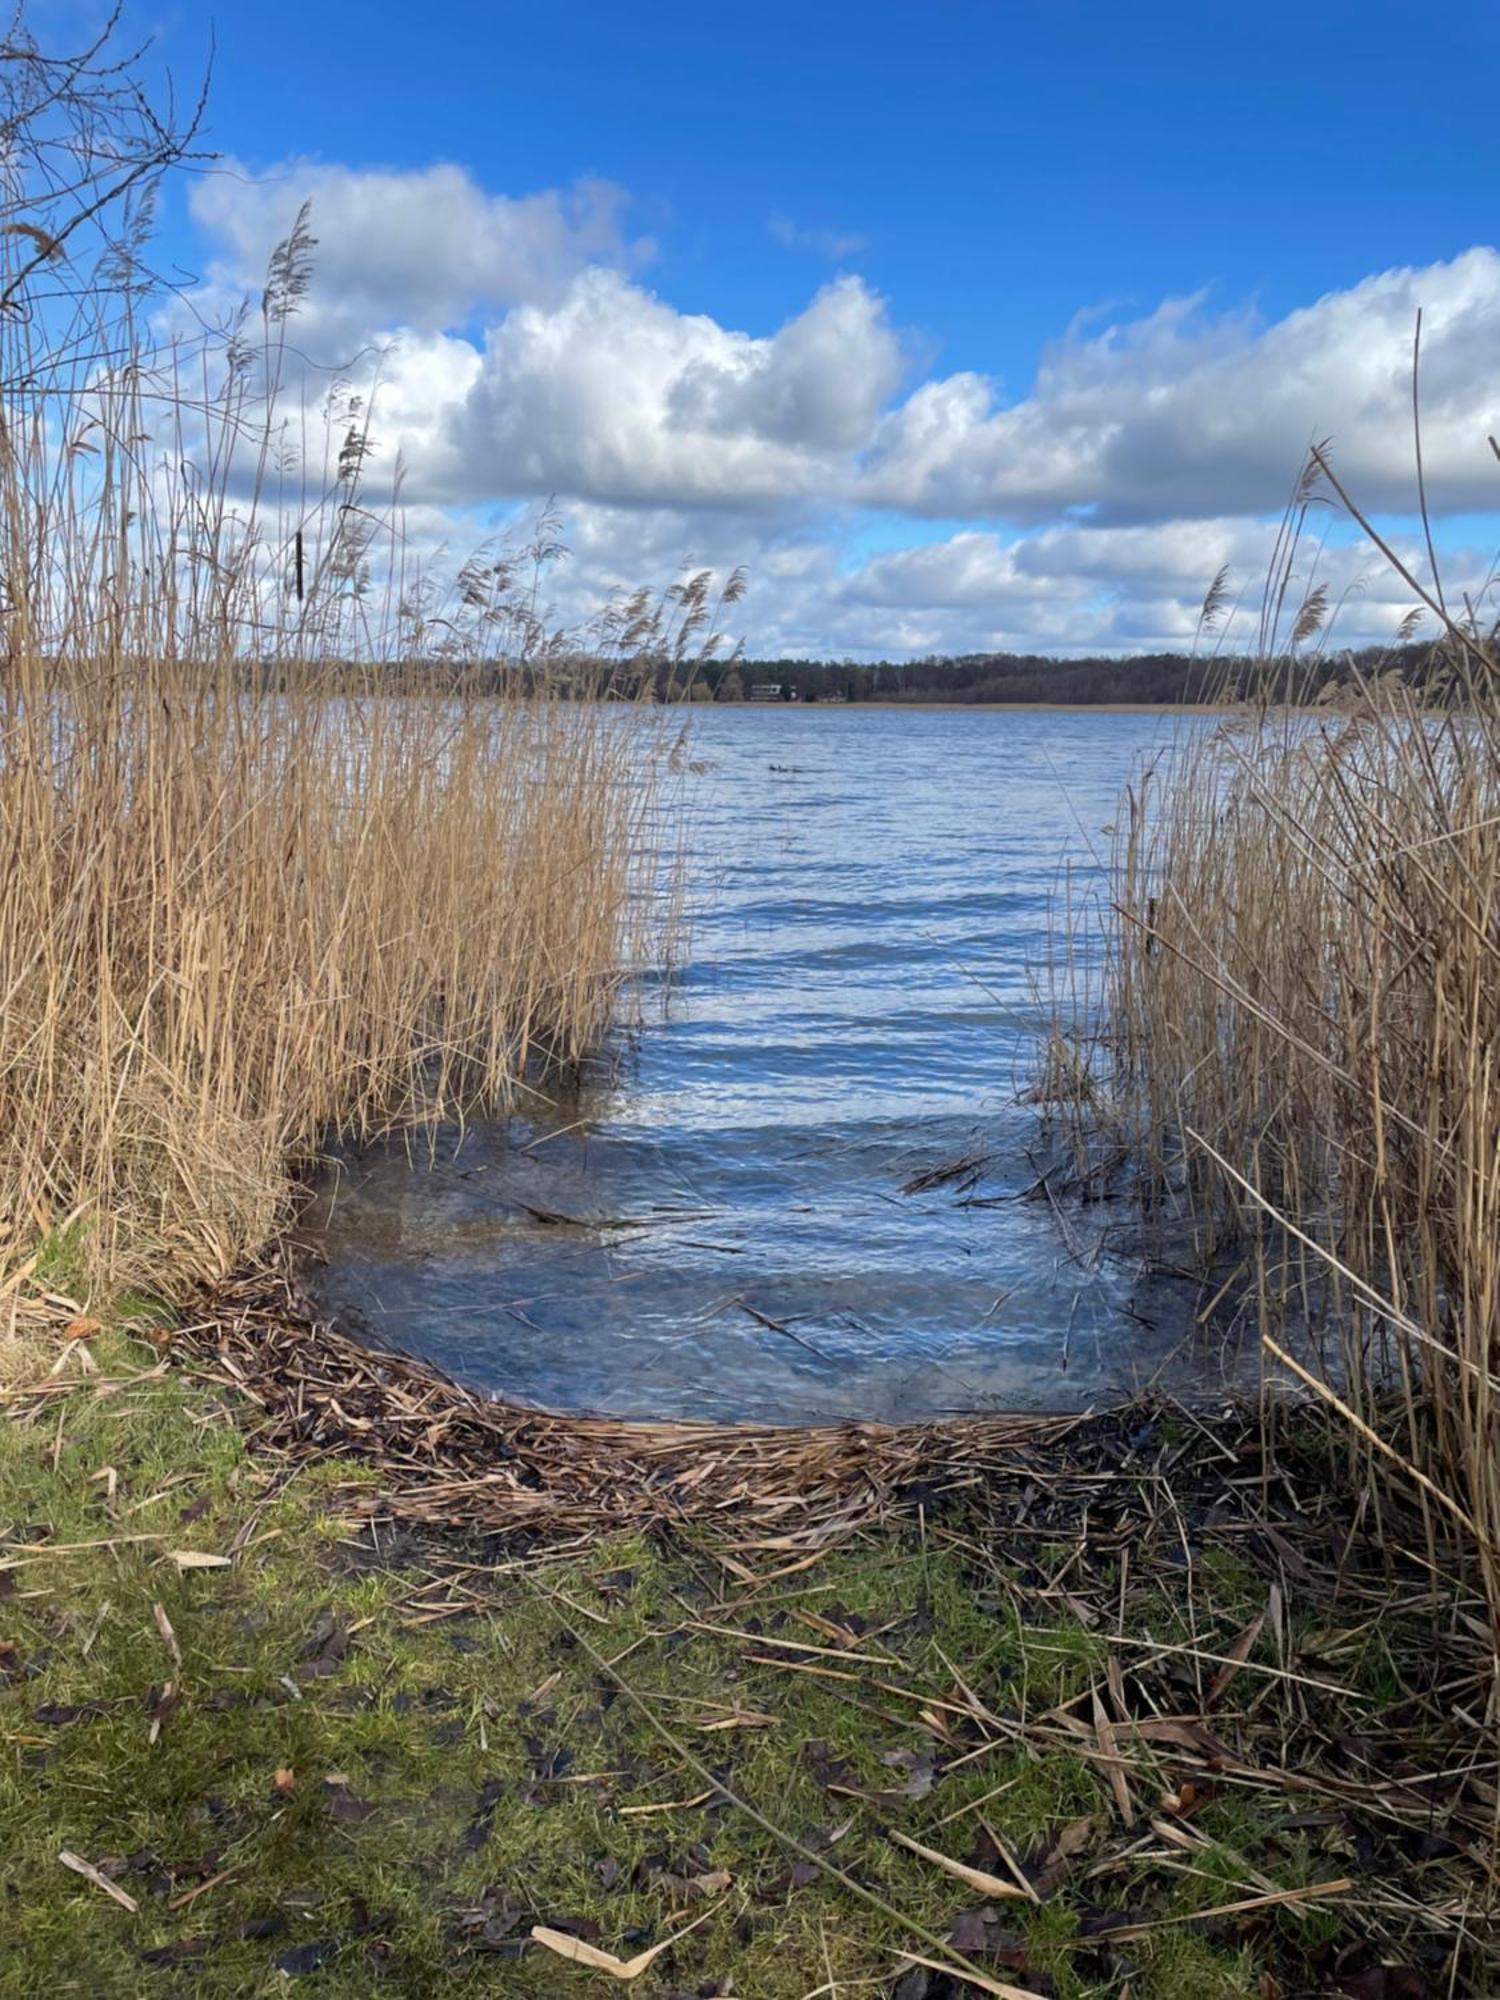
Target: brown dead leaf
x: 326, y: 1648
x: 1059, y: 1853
x: 196, y: 1559
x: 1185, y: 1800
x: 285, y: 1780
x: 1183, y: 1734
x: 341, y: 1804
x: 1384, y: 1982
x: 1235, y: 1656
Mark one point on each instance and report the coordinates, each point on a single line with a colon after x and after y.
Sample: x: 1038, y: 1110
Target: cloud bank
x: 517, y: 351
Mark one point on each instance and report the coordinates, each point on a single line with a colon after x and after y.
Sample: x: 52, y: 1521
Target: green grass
x: 60, y: 1259
x: 486, y: 1768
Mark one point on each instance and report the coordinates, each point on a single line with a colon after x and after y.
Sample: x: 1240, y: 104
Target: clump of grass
x: 294, y: 837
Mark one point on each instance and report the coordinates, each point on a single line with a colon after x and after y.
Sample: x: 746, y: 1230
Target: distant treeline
x: 1034, y: 677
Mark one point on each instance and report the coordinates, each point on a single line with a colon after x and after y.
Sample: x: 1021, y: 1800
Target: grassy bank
x: 1184, y: 1738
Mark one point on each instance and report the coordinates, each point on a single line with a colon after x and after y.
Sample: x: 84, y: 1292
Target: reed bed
x: 1296, y: 1003
x: 300, y: 834
x: 231, y: 924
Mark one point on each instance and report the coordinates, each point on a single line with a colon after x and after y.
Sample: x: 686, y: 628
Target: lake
x: 744, y: 1213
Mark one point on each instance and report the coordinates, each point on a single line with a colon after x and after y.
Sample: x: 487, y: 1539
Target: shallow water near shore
x: 744, y: 1213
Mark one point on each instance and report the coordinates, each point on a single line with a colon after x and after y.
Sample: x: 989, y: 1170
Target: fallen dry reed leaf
x: 973, y: 1977
x: 578, y: 1952
x: 977, y: 1878
x: 100, y: 1881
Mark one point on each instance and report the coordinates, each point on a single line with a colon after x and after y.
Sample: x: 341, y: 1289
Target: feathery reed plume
x: 1212, y: 609
x: 1311, y: 617
x: 50, y: 246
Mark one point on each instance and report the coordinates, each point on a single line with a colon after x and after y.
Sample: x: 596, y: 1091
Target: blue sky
x: 1005, y: 164
x: 886, y: 283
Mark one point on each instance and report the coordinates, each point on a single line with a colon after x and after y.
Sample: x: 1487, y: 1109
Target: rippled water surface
x: 717, y: 1225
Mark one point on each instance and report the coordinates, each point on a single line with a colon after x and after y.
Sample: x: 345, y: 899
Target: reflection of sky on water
x: 717, y: 1228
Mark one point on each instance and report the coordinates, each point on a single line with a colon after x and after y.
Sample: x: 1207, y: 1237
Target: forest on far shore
x: 1036, y: 678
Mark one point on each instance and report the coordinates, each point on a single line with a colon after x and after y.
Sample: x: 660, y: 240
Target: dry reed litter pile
x: 452, y: 1460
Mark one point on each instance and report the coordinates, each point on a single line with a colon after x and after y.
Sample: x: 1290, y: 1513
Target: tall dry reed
x: 293, y: 838
x: 1298, y: 1006
x: 229, y: 924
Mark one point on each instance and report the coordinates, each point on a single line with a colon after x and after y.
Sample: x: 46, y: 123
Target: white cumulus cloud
x: 1183, y: 412
x: 614, y: 395
x: 425, y: 248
